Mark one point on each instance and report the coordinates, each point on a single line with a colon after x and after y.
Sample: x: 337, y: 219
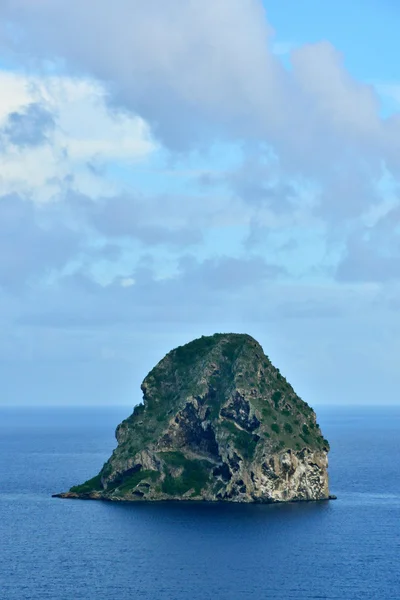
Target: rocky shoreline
x: 102, y: 498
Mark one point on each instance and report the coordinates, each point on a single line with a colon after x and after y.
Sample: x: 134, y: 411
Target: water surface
x: 59, y: 549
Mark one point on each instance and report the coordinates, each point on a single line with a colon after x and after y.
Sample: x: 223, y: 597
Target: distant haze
x: 175, y: 169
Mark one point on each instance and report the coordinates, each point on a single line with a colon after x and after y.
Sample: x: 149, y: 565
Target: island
x: 218, y: 422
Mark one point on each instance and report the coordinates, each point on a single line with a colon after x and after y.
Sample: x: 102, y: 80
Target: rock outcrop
x: 218, y: 422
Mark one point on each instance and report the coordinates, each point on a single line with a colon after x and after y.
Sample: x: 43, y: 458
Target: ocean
x: 72, y: 550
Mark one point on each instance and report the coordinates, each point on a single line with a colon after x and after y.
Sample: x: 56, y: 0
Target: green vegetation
x: 195, y: 474
x: 276, y: 396
x: 106, y: 470
x: 288, y: 428
x: 230, y: 350
x: 185, y: 356
x: 266, y: 412
x: 243, y: 441
x: 138, y: 410
x: 91, y: 485
x: 246, y: 444
x: 129, y: 483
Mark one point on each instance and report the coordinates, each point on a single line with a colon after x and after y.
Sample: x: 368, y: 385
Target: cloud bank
x: 165, y: 174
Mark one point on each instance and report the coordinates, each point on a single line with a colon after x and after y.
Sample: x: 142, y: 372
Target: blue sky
x: 175, y: 169
x: 363, y: 30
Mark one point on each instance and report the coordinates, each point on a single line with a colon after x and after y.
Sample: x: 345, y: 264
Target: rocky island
x: 218, y: 422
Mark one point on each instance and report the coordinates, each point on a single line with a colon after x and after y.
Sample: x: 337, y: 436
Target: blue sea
x: 71, y: 550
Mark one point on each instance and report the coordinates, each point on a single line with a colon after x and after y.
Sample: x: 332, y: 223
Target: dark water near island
x: 58, y: 549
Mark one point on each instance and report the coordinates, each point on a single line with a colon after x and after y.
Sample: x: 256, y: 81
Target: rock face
x: 218, y: 422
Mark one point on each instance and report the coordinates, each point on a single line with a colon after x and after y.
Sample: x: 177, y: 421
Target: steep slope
x: 218, y: 422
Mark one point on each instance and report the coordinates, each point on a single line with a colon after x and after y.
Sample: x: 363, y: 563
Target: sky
x: 175, y: 169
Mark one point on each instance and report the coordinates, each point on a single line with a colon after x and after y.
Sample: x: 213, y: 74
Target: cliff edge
x: 218, y: 422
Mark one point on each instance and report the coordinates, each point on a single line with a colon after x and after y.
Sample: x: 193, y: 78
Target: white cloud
x: 86, y: 132
x: 179, y: 64
x: 199, y: 71
x: 127, y: 282
x: 15, y: 93
x: 88, y: 129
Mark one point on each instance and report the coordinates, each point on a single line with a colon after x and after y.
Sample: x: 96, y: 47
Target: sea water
x: 64, y: 549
